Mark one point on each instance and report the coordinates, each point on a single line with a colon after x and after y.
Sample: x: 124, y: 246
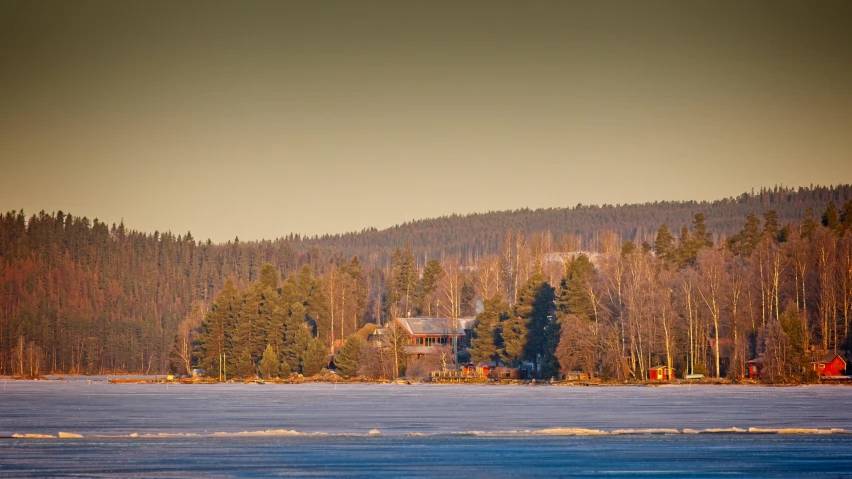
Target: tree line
x: 80, y: 296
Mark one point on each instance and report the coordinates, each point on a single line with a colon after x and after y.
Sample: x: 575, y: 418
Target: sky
x: 259, y: 119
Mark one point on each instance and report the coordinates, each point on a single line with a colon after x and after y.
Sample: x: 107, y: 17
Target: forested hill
x: 88, y: 297
x: 474, y: 235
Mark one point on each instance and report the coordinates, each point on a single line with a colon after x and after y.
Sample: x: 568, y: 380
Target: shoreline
x: 331, y: 379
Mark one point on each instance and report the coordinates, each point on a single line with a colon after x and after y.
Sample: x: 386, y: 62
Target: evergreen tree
x: 315, y: 357
x: 699, y: 232
x: 432, y: 273
x: 536, y: 306
x: 347, y: 359
x: 627, y: 248
x: 692, y: 244
x: 831, y: 219
x: 745, y: 242
x: 771, y: 227
x: 269, y: 277
x: 809, y: 224
x: 514, y: 334
x: 216, y: 330
x: 269, y: 366
x: 664, y: 244
x: 574, y: 295
x: 846, y: 215
x: 487, y: 341
x: 405, y: 282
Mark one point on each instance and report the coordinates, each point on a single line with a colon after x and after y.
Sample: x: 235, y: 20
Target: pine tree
x: 347, y: 359
x: 745, y: 242
x: 487, y: 341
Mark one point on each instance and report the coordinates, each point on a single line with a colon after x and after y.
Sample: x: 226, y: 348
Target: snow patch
x: 646, y: 431
x: 570, y: 431
x: 268, y: 432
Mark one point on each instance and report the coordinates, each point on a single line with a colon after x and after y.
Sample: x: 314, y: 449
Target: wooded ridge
x: 699, y: 286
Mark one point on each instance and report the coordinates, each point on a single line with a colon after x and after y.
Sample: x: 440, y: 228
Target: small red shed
x: 661, y: 373
x: 755, y: 368
x: 830, y: 365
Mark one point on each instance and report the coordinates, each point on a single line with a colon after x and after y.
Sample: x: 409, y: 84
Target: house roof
x: 829, y: 358
x: 757, y: 361
x: 430, y: 326
x: 467, y: 323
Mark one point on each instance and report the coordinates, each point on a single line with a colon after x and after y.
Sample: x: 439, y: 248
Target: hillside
x: 89, y: 297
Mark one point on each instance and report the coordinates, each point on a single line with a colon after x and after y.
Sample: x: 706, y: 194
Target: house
x: 575, y: 375
x: 830, y: 365
x: 661, y: 373
x: 477, y: 370
x: 504, y: 372
x: 754, y: 368
x: 425, y: 335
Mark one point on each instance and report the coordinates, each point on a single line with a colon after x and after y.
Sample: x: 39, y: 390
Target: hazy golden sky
x: 258, y: 119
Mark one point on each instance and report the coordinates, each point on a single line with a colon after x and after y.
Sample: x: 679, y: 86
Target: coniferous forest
x: 610, y: 290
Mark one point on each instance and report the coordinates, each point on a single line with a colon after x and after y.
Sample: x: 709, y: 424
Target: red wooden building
x: 830, y: 365
x: 661, y: 373
x: 755, y: 368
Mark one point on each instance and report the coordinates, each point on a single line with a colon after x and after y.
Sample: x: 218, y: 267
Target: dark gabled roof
x: 830, y: 357
x: 757, y: 361
x: 430, y: 326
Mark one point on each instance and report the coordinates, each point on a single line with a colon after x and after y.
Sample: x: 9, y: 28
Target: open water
x: 389, y: 430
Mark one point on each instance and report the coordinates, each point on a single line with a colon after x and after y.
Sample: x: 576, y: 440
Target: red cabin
x: 830, y: 365
x: 661, y: 373
x: 755, y: 368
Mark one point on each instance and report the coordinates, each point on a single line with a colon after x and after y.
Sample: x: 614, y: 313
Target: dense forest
x: 703, y: 293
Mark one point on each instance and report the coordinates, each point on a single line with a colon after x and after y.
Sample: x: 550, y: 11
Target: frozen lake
x: 363, y: 430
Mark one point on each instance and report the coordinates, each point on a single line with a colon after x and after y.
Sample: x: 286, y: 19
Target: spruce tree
x: 664, y: 244
x: 347, y: 359
x: 269, y: 366
x: 217, y: 329
x: 831, y: 219
x: 536, y: 305
x: 487, y: 341
x: 315, y: 357
x: 514, y: 334
x: 846, y: 215
x: 809, y: 224
x: 771, y: 227
x: 574, y: 295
